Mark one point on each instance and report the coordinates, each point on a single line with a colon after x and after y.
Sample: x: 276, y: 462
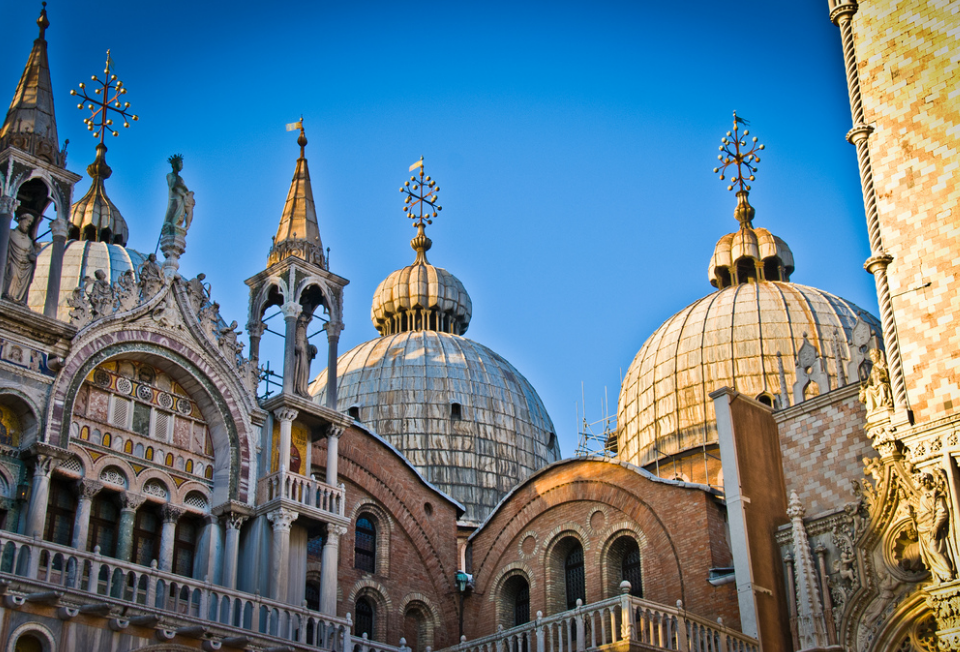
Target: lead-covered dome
x: 459, y: 412
x: 730, y: 338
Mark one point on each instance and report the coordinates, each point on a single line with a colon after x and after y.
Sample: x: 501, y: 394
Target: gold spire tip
x: 42, y: 22
x: 736, y: 150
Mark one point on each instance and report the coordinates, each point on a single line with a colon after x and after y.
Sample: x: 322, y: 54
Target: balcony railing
x: 623, y: 618
x: 301, y: 490
x: 91, y: 578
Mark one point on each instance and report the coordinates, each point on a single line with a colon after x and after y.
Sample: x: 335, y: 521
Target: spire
x: 31, y: 124
x: 299, y: 233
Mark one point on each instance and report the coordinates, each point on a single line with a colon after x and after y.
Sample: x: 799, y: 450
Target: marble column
x: 255, y: 331
x: 131, y: 503
x: 333, y: 453
x: 329, y: 567
x: 168, y: 532
x: 291, y: 311
x: 8, y: 206
x: 231, y: 553
x: 39, y: 495
x: 285, y: 416
x: 281, y: 519
x: 333, y: 338
x: 86, y: 490
x: 58, y: 232
x: 212, y: 561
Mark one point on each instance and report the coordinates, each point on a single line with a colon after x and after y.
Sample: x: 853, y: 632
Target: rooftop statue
x: 21, y: 260
x: 180, y: 203
x: 875, y: 392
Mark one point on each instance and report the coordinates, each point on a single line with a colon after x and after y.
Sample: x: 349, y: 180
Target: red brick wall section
x: 422, y: 560
x: 823, y: 445
x: 680, y: 530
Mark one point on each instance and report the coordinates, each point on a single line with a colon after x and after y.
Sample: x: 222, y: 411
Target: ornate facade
x: 782, y: 456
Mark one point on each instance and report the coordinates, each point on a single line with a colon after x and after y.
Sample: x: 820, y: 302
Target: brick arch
x: 377, y: 592
x: 27, y: 411
x: 219, y: 403
x: 434, y: 622
x: 384, y: 525
x: 609, y: 576
x: 508, y: 571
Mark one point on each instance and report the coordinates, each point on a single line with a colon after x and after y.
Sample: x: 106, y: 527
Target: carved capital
x: 334, y: 532
x: 59, y: 228
x: 255, y: 329
x: 89, y: 488
x: 944, y: 601
x: 282, y: 519
x: 171, y: 514
x: 234, y: 520
x: 132, y: 501
x: 878, y: 263
x: 334, y: 431
x: 285, y: 414
x: 843, y: 11
x: 43, y: 465
x: 291, y: 309
x: 333, y: 329
x: 8, y: 205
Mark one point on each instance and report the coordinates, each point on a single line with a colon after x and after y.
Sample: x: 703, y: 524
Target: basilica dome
x: 745, y: 336
x: 460, y: 413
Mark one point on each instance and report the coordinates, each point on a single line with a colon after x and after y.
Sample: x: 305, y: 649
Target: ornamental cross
x: 420, y: 204
x: 103, y: 104
x: 734, y: 151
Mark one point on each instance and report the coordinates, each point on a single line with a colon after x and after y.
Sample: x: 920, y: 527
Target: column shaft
x: 329, y: 567
x: 231, y: 550
x: 125, y: 534
x: 278, y: 582
x: 333, y: 339
x: 58, y: 229
x: 39, y: 496
x: 333, y: 453
x: 290, y: 313
x: 168, y: 533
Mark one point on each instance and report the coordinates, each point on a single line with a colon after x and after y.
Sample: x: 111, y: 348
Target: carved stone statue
x: 875, y: 393
x: 303, y: 353
x: 180, y: 202
x: 79, y: 312
x: 197, y: 292
x: 151, y: 277
x: 932, y: 519
x: 210, y: 320
x: 21, y: 260
x: 126, y: 290
x: 101, y: 295
x: 228, y: 339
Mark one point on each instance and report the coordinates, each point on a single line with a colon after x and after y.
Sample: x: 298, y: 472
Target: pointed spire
x: 299, y: 233
x: 31, y: 124
x: 94, y: 216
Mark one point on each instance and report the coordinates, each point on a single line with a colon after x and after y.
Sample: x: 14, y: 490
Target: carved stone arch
x: 899, y: 624
x: 219, y: 406
x: 163, y: 478
x: 27, y: 412
x: 328, y: 292
x: 55, y: 196
x: 111, y: 460
x: 260, y: 299
x: 610, y: 557
x: 38, y: 630
x: 384, y: 526
x: 8, y: 483
x: 86, y: 460
x: 191, y: 486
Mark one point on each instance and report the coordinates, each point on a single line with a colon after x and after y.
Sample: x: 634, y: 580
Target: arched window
x: 185, y: 546
x: 417, y: 627
x: 146, y: 535
x: 29, y: 643
x: 365, y: 618
x: 574, y: 580
x: 354, y: 413
x: 515, y: 598
x: 456, y: 411
x: 630, y: 568
x: 103, y: 525
x: 312, y: 595
x: 365, y: 544
x: 61, y: 512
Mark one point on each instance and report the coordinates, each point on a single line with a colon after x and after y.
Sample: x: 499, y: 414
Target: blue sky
x: 574, y: 144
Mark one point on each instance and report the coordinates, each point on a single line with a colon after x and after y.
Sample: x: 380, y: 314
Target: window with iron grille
x: 103, y: 525
x: 573, y: 570
x: 630, y: 570
x: 185, y: 546
x: 146, y: 536
x: 366, y: 615
x: 365, y: 545
x: 521, y: 605
x: 61, y: 512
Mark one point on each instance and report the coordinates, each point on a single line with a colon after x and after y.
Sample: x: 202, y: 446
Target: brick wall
x: 823, y: 445
x: 908, y: 66
x: 680, y: 530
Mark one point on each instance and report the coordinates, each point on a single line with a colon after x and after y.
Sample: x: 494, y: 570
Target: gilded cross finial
x: 737, y: 150
x: 420, y: 205
x: 103, y: 105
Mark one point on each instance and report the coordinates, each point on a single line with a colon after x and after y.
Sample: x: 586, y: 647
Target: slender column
x: 792, y: 600
x: 329, y: 565
x: 281, y: 519
x: 821, y: 552
x: 333, y: 453
x: 286, y: 417
x: 859, y: 136
x: 87, y: 489
x: 290, y: 313
x: 255, y: 331
x: 58, y: 231
x: 231, y: 552
x: 333, y: 338
x: 131, y: 502
x: 39, y: 495
x: 212, y: 531
x: 8, y: 206
x: 168, y: 531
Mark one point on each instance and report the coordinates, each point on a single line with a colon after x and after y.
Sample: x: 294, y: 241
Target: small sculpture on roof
x: 303, y: 353
x: 151, y: 277
x: 101, y: 295
x: 180, y: 202
x: 932, y: 520
x: 21, y: 260
x: 875, y: 392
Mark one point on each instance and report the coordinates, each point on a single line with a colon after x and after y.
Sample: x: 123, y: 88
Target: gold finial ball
x: 136, y: 117
x: 752, y: 178
x: 437, y: 189
x: 80, y: 106
x: 731, y: 188
x: 93, y: 78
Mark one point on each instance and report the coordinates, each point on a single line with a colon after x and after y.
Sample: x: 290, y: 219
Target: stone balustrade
x: 302, y: 490
x: 91, y: 578
x: 619, y: 619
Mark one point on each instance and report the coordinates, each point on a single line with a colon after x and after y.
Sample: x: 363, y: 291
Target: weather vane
x: 101, y: 106
x: 420, y: 204
x: 745, y: 160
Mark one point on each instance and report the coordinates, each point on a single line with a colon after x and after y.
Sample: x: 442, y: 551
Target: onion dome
x: 749, y: 253
x: 80, y: 259
x: 460, y: 413
x: 299, y: 232
x: 421, y: 297
x: 730, y: 338
x: 31, y: 124
x: 95, y: 217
